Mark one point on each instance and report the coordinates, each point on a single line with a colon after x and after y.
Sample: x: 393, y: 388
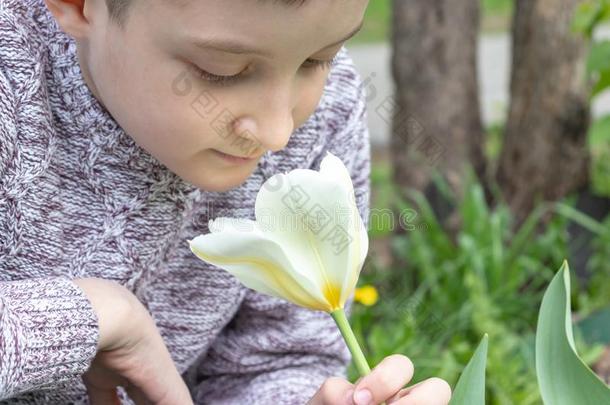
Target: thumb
x: 335, y: 390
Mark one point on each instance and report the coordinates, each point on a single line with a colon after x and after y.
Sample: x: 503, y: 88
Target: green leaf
x: 601, y: 83
x: 588, y: 15
x: 470, y: 388
x: 580, y: 218
x: 564, y: 379
x: 599, y: 56
x: 599, y: 133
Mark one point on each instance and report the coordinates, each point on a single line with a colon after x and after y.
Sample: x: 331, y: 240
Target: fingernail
x: 363, y: 397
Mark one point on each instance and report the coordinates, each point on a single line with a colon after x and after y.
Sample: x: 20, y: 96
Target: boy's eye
x: 225, y: 80
x: 313, y: 63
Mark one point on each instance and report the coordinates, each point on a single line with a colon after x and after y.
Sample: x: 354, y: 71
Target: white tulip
x: 307, y: 245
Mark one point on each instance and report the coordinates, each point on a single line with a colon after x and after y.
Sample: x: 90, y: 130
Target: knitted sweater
x: 78, y: 198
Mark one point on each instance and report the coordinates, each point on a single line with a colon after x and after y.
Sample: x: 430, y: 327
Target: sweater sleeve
x: 48, y: 328
x: 48, y: 334
x: 274, y: 351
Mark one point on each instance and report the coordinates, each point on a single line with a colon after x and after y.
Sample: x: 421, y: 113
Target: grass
x: 495, y: 17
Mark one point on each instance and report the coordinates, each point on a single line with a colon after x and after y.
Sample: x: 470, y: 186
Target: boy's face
x: 147, y: 75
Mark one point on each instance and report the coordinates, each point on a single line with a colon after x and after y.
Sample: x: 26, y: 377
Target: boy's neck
x: 84, y: 67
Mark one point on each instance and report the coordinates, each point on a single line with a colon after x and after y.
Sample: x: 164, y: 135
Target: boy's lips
x: 234, y: 158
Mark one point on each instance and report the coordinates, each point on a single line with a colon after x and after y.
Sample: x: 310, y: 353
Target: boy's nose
x: 271, y: 131
x: 269, y: 121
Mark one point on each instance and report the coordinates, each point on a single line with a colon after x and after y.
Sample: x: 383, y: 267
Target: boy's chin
x: 219, y: 181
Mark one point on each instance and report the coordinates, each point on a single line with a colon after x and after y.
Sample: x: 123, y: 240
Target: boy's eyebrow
x: 235, y: 47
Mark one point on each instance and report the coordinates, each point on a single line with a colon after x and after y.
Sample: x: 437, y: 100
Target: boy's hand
x: 384, y: 383
x: 131, y: 352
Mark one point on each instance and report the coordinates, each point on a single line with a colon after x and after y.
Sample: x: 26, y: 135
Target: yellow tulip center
x: 332, y: 293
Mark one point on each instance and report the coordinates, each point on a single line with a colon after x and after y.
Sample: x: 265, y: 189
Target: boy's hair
x: 117, y: 9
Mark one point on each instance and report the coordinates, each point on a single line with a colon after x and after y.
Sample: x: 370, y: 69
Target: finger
x: 162, y: 387
x: 385, y: 380
x: 433, y: 391
x: 157, y: 380
x: 335, y: 391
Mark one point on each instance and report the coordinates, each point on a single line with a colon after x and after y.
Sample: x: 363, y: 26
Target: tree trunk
x: 544, y: 153
x: 436, y: 117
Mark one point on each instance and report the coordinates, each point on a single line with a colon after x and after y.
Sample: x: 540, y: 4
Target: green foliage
x: 493, y: 141
x: 599, y: 269
x: 599, y: 146
x: 598, y: 66
x: 378, y: 223
x: 589, y: 15
x: 597, y: 295
x: 470, y: 388
x: 563, y: 377
x: 452, y: 289
x: 497, y: 6
x: 376, y: 22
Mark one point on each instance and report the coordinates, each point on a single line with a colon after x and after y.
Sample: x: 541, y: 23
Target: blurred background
x: 490, y: 132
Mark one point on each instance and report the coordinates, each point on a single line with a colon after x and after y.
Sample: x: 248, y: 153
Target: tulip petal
x: 256, y: 261
x: 316, y: 220
x: 332, y: 167
x: 360, y: 251
x: 227, y: 224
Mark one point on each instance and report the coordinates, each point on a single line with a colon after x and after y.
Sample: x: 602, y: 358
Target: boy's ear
x: 70, y: 16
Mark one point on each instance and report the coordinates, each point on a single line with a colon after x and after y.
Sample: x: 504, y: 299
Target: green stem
x: 352, y: 344
x: 350, y: 339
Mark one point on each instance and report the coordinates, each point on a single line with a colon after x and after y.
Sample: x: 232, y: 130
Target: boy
x: 125, y: 126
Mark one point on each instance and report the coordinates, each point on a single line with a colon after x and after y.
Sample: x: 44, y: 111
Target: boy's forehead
x: 261, y: 23
x: 276, y: 9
